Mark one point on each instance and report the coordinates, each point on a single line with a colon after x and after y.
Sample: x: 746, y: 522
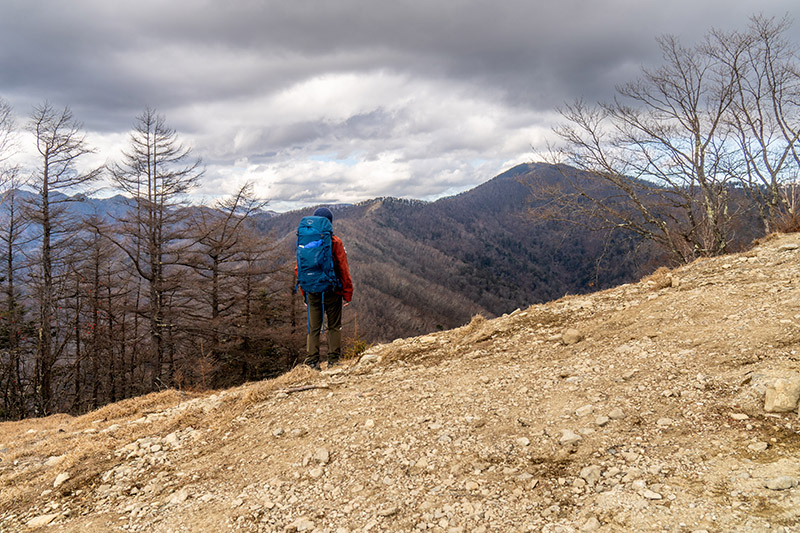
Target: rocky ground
x: 665, y: 405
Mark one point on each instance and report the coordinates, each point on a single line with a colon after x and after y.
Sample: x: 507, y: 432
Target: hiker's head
x: 324, y: 212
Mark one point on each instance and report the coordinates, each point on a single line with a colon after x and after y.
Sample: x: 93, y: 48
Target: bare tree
x: 12, y: 313
x: 155, y: 171
x: 218, y: 235
x: 764, y: 117
x: 233, y: 266
x: 60, y: 143
x: 662, y: 146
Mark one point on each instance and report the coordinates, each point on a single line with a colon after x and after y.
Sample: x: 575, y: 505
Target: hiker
x: 336, y: 285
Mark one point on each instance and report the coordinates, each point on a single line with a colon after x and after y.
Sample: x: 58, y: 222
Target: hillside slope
x: 648, y: 417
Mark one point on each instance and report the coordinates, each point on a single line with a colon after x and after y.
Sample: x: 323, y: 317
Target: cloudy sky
x: 326, y: 101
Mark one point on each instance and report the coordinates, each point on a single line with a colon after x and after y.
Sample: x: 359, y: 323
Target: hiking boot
x: 314, y: 365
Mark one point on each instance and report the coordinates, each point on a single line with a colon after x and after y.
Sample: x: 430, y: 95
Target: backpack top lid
x: 313, y: 224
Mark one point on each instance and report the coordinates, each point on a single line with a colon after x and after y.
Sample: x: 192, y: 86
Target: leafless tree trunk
x: 11, y: 372
x: 13, y: 311
x: 60, y: 143
x: 155, y: 171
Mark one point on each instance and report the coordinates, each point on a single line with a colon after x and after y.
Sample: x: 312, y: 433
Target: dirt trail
x: 639, y: 408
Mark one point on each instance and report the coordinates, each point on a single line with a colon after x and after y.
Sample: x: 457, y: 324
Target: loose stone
x: 781, y: 483
x: 616, y: 414
x: 569, y: 437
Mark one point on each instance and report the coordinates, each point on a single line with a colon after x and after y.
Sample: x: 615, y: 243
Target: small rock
x: 788, y: 247
x: 523, y: 441
x: 153, y: 488
x: 179, y: 497
x: 616, y: 414
x: 781, y: 483
x: 277, y: 432
x: 41, y: 520
x: 369, y: 358
x: 650, y: 495
x: 370, y: 423
x: 301, y: 524
x: 630, y: 456
x: 571, y: 336
x: 322, y: 456
x: 471, y: 486
x: 758, y: 446
x: 478, y: 422
x: 739, y: 416
x: 782, y: 395
x: 593, y: 524
x: 60, y: 479
x: 316, y: 472
x: 391, y: 511
x: 665, y: 422
x: 171, y: 439
x: 632, y: 475
x: 53, y: 460
x: 591, y: 474
x: 585, y: 410
x: 601, y: 420
x: 569, y: 437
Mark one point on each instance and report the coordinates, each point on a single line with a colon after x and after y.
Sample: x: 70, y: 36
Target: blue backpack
x: 315, y: 270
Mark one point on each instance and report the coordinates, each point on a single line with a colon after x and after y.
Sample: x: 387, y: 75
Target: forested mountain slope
x: 423, y: 266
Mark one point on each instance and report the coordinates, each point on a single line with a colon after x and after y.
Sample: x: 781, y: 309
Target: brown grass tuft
x: 660, y: 279
x: 766, y: 239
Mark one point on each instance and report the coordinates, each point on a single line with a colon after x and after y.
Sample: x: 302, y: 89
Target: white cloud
x: 356, y: 137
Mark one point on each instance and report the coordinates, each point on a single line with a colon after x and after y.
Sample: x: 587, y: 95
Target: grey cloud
x: 518, y: 45
x: 201, y: 62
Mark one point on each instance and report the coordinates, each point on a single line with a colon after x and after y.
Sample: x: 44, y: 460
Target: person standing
x: 328, y: 304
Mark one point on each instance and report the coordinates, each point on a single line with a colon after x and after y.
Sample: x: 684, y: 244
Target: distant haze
x: 328, y: 102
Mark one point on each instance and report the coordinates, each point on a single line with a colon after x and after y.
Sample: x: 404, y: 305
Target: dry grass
x: 660, y: 279
x: 254, y: 393
x: 136, y: 407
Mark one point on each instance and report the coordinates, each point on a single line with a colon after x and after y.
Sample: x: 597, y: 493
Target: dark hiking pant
x: 332, y: 304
